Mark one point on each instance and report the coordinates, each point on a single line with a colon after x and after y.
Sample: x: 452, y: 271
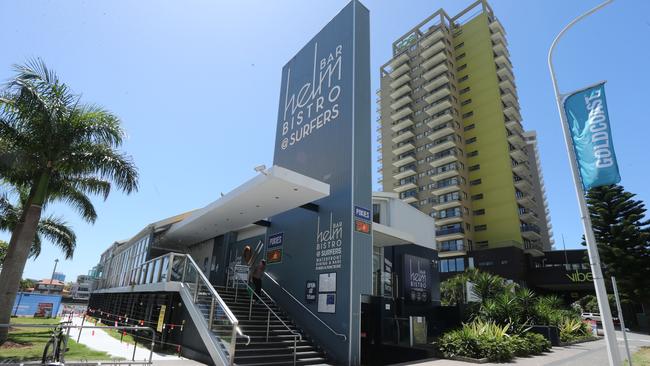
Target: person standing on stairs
x: 257, y: 275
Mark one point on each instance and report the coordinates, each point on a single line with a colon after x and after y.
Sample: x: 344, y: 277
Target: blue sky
x: 196, y: 84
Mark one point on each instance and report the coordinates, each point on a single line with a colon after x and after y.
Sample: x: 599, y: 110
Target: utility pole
x: 592, y: 249
x: 56, y: 261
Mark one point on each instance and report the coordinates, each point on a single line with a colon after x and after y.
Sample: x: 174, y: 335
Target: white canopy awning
x: 384, y: 236
x: 272, y: 192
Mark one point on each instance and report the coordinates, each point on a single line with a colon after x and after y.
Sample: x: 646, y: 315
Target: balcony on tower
x: 433, y: 37
x: 527, y: 215
x: 400, y: 81
x: 444, y: 157
x: 449, y: 248
x: 438, y: 93
x: 443, y: 143
x: 436, y: 71
x: 512, y: 112
x: 403, y: 159
x: 445, y: 186
x: 442, y: 129
x: 404, y: 171
x: 409, y: 196
x: 400, y: 91
x: 397, y: 61
x: 401, y: 70
x: 518, y: 154
x: 437, y: 82
x: 397, y: 104
x: 520, y: 168
x: 495, y: 26
x: 439, y: 118
x: 445, y: 171
x: 450, y: 232
x: 433, y: 49
x: 530, y: 232
x: 401, y: 113
x: 438, y: 106
x: 434, y: 60
x: 404, y: 146
x: 402, y: 135
x: 405, y: 184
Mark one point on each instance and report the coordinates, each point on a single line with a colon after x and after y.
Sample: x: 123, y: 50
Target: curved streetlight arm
x: 592, y: 248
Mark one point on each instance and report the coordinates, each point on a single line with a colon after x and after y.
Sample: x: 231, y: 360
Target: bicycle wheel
x: 49, y: 352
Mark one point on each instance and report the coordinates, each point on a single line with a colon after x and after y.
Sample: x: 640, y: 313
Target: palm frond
x: 57, y: 231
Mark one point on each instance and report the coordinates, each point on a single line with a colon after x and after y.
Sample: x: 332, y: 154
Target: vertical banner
x: 588, y: 120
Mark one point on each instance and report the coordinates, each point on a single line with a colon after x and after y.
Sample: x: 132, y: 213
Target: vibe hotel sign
x: 315, y: 104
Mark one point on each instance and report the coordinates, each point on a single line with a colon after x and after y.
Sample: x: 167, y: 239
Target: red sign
x: 362, y: 226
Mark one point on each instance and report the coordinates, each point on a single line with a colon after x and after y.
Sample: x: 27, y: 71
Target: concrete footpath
x: 102, y: 341
x: 582, y: 354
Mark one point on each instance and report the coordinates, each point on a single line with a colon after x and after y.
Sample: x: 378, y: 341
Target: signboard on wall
x: 274, y: 248
x: 323, y: 131
x: 417, y: 279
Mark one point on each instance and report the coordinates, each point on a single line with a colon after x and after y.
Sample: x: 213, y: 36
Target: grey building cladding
x: 323, y: 131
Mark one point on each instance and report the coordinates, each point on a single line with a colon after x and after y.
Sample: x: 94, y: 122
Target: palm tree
x: 52, y: 228
x: 57, y: 149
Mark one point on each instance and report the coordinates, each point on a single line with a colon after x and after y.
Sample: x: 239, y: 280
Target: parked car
x: 597, y: 318
x: 591, y: 316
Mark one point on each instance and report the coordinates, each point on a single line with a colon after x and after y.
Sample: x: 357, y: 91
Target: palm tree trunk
x: 18, y: 252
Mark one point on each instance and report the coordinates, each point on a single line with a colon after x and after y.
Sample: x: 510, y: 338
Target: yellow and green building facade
x: 451, y: 139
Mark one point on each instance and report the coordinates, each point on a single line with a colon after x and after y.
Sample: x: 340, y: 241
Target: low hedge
x: 475, y: 342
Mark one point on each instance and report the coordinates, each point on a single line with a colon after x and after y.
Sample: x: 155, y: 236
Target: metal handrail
x: 225, y: 308
x: 296, y: 335
x: 304, y: 307
x: 266, y: 305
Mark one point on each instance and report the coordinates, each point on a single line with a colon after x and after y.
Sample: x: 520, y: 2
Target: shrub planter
x: 469, y: 359
x: 549, y: 332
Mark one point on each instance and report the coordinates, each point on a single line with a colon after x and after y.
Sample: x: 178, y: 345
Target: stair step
x: 307, y: 361
x: 299, y: 355
x: 274, y: 350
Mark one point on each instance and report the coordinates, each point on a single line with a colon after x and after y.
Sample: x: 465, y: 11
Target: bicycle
x: 55, y: 348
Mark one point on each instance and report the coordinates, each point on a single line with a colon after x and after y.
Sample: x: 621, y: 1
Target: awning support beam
x: 310, y: 206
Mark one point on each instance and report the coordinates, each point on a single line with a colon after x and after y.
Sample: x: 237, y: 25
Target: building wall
x: 501, y: 216
x: 492, y: 205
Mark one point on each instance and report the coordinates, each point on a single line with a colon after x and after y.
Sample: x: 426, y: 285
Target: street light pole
x: 592, y: 249
x: 56, y: 261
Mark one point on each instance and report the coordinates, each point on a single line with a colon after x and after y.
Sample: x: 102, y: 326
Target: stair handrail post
x: 233, y: 343
x: 236, y: 292
x: 184, y: 269
x: 295, y: 342
x: 268, y: 323
x: 250, y: 307
x: 343, y: 336
x: 196, y: 287
x: 211, y: 316
x: 268, y: 307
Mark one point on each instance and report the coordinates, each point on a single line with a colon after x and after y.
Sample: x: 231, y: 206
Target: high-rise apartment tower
x: 451, y: 139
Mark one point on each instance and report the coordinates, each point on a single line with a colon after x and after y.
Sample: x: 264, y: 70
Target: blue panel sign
x: 362, y: 213
x: 275, y: 241
x: 588, y: 120
x: 274, y: 248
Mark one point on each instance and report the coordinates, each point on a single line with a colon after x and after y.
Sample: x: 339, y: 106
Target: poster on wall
x: 274, y: 248
x: 417, y: 279
x: 310, y: 292
x: 327, y: 303
x: 327, y: 282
